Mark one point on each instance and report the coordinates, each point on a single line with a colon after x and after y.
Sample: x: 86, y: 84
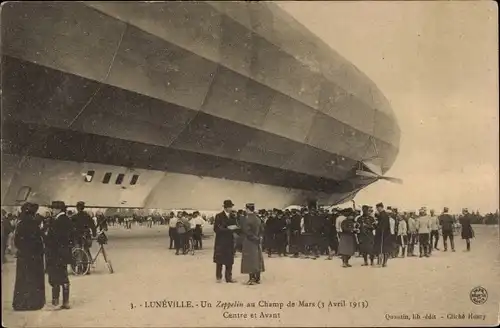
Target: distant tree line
x: 490, y: 218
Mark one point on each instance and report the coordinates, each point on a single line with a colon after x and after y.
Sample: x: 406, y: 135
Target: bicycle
x: 189, y: 245
x: 82, y: 260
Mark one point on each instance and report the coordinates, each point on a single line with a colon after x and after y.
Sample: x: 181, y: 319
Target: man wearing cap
x: 467, y: 231
x: 446, y: 221
x: 83, y: 226
x: 383, y: 242
x: 366, y: 238
x: 224, y: 226
x: 412, y: 234
x: 295, y: 233
x: 434, y: 236
x: 424, y: 231
x: 58, y: 246
x: 252, y: 261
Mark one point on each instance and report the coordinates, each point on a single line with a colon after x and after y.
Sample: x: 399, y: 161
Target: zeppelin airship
x: 183, y: 104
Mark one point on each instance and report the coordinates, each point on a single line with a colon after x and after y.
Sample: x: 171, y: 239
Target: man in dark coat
x: 295, y: 233
x: 383, y: 237
x: 58, y: 244
x: 252, y: 261
x: 366, y: 237
x: 446, y: 221
x: 83, y: 227
x: 224, y: 226
x: 29, y: 290
x: 467, y: 231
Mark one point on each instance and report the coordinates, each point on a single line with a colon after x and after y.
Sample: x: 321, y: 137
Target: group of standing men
x: 381, y: 235
x: 250, y: 227
x: 183, y: 228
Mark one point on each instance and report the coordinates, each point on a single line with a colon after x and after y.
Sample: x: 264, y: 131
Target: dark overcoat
x: 383, y: 242
x: 29, y: 288
x: 347, y: 240
x: 467, y: 231
x: 58, y: 244
x: 224, y: 239
x: 252, y: 229
x: 366, y: 237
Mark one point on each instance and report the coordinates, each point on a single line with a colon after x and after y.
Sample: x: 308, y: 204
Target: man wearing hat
x: 295, y: 233
x: 424, y: 231
x: 383, y: 242
x: 58, y: 246
x: 252, y: 261
x: 467, y: 231
x: 224, y: 226
x: 366, y: 238
x: 83, y: 227
x: 434, y: 236
x: 446, y: 221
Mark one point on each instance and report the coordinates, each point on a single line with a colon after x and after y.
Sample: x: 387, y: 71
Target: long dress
x: 29, y: 289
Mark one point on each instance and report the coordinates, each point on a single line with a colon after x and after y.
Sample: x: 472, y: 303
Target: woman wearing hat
x: 58, y: 245
x: 347, y: 242
x: 29, y: 289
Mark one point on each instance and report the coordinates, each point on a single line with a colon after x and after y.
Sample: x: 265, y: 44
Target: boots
x: 65, y: 304
x: 384, y: 260
x: 55, y: 295
x: 403, y: 250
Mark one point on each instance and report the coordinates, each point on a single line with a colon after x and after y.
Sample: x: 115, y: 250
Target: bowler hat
x: 80, y: 204
x: 380, y: 205
x: 58, y: 205
x: 228, y: 203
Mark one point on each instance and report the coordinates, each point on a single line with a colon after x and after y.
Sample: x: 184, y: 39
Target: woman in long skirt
x: 29, y: 290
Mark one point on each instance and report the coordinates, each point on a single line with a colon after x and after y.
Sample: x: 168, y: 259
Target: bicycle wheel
x: 81, y: 262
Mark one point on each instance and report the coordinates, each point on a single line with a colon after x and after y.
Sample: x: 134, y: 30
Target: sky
x: 437, y: 64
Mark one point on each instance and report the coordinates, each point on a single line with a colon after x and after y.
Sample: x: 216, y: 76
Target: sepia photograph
x: 250, y: 164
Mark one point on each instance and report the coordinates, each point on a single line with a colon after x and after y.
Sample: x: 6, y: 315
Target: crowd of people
x: 44, y: 242
x: 44, y: 245
x: 310, y: 232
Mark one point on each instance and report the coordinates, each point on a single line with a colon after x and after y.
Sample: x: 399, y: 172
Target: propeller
x: 368, y: 174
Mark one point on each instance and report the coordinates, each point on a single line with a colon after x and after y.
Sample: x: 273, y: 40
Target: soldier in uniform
x: 467, y: 231
x: 58, y: 245
x: 424, y: 231
x: 280, y: 234
x: 83, y: 226
x: 224, y: 226
x: 402, y: 235
x: 412, y: 234
x: 383, y: 242
x: 366, y: 235
x: 295, y: 233
x: 446, y: 221
x: 252, y: 261
x: 434, y: 236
